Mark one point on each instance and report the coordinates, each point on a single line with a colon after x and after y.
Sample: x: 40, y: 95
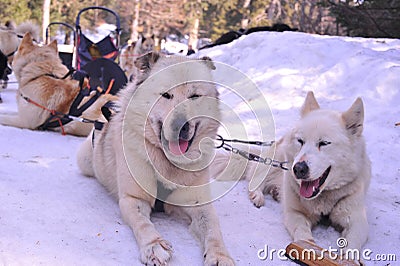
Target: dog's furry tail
x: 30, y: 27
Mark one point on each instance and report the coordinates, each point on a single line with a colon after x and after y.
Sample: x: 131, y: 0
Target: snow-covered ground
x: 52, y: 215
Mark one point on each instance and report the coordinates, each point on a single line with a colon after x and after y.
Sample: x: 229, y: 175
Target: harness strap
x: 54, y: 113
x: 51, y: 75
x: 97, y: 126
x: 11, y: 54
x: 73, y: 111
x: 78, y: 111
x: 105, y: 110
x: 162, y: 195
x: 69, y: 73
x: 59, y: 122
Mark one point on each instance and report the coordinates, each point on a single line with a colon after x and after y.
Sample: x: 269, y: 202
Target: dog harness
x: 162, y: 194
x: 59, y: 120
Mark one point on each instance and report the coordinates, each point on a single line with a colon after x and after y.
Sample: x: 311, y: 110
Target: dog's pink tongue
x: 307, y: 188
x: 178, y: 147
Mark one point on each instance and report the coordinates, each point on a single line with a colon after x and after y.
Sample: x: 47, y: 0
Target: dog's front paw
x: 218, y: 259
x: 157, y: 253
x: 257, y: 197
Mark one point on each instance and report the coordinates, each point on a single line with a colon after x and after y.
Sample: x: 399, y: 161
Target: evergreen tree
x: 367, y: 18
x: 17, y: 11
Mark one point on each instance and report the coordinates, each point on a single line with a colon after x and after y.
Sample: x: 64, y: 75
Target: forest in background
x: 211, y: 18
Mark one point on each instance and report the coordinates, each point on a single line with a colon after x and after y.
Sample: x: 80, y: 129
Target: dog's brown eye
x: 323, y: 143
x: 194, y: 96
x: 167, y: 95
x: 301, y: 141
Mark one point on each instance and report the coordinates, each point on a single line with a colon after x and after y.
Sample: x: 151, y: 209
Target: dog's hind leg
x: 205, y: 225
x: 15, y: 121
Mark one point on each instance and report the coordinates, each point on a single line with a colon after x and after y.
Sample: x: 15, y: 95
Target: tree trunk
x: 274, y: 10
x: 135, y: 24
x: 194, y: 33
x: 46, y: 17
x: 245, y: 21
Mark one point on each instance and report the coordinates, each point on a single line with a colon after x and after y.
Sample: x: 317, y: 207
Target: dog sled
x: 99, y: 59
x: 94, y: 61
x: 67, y: 48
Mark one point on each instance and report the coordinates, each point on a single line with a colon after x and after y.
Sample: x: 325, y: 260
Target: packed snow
x: 52, y: 215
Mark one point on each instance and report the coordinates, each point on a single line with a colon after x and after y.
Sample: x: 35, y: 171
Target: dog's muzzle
x: 301, y: 170
x: 309, y: 189
x: 181, y: 136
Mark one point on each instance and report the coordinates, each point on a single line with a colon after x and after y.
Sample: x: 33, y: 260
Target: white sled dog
x: 146, y: 149
x: 329, y: 173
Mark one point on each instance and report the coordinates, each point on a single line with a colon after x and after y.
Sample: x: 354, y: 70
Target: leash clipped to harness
x: 248, y: 155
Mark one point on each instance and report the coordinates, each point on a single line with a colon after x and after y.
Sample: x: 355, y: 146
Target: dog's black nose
x: 181, y: 127
x: 301, y: 170
x: 184, y: 134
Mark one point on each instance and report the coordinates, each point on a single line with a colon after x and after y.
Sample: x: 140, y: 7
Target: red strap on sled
x: 110, y: 86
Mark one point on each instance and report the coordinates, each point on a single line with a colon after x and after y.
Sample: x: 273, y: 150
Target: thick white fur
x: 128, y: 157
x: 342, y: 195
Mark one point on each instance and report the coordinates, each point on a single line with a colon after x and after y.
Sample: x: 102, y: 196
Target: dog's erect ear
x: 53, y: 45
x: 209, y: 62
x: 145, y: 62
x: 354, y: 118
x: 310, y: 104
x: 26, y: 43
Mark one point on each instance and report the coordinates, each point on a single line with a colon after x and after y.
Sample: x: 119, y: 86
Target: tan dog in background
x: 39, y: 72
